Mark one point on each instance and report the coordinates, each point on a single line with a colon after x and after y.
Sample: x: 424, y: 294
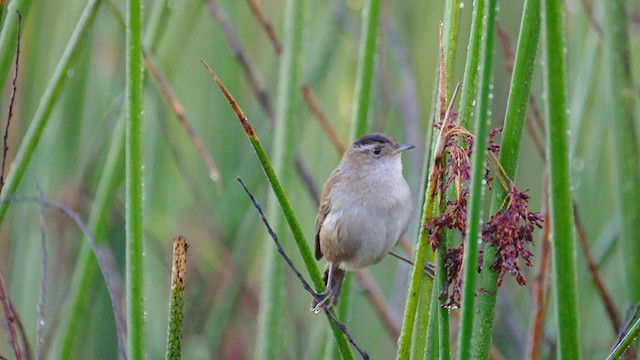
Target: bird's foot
x: 326, y: 302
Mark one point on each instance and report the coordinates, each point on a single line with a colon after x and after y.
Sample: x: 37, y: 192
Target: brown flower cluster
x: 509, y: 230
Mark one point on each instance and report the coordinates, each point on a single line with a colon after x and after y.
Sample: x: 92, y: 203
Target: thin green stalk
x: 366, y: 67
x: 626, y: 341
x: 134, y: 184
x: 627, y: 157
x: 289, y: 214
x: 49, y: 99
x: 420, y: 342
x: 423, y: 247
x: 564, y: 254
x: 432, y: 352
x: 451, y: 19
x: 449, y: 31
x: 86, y: 265
x: 443, y: 312
x: 515, y: 117
x: 176, y: 302
x: 472, y: 64
x: 9, y: 36
x: 476, y: 191
x: 271, y: 295
x: 450, y: 22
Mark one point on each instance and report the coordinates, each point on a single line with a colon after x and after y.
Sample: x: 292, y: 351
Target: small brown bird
x: 365, y: 208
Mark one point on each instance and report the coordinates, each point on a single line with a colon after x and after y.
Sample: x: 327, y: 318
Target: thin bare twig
x: 10, y: 316
x: 43, y: 276
x: 14, y: 89
x: 264, y: 22
x: 305, y: 284
x: 178, y: 110
x: 111, y: 289
x: 326, y: 125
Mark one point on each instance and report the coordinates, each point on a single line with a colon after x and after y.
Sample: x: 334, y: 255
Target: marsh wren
x: 365, y: 208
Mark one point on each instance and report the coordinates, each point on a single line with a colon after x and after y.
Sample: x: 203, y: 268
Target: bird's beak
x: 402, y: 147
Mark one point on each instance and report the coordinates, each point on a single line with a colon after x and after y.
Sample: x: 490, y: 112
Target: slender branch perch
x: 305, y: 284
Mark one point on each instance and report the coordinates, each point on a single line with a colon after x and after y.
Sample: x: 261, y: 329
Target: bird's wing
x: 323, y: 210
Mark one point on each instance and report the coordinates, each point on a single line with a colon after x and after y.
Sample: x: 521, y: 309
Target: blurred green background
x: 224, y: 232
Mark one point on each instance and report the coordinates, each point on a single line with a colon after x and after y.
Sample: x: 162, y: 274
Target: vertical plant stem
x: 476, y: 191
x: 420, y: 343
x: 627, y: 157
x: 176, y: 302
x: 366, y: 67
x: 49, y: 98
x: 8, y: 36
x: 472, y: 64
x: 564, y: 254
x: 450, y: 24
x: 134, y: 184
x: 443, y: 312
x: 271, y: 296
x: 515, y: 118
x: 408, y: 322
x: 451, y: 20
x: 432, y: 352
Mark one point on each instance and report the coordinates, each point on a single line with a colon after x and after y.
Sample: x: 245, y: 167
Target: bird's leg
x: 327, y: 293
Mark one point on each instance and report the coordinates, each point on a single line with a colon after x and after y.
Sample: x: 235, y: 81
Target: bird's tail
x: 333, y: 289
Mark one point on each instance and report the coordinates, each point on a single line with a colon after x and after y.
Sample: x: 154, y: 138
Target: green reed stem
x: 476, y: 191
x: 472, y: 64
x: 134, y: 184
x: 515, y: 117
x: 564, y: 254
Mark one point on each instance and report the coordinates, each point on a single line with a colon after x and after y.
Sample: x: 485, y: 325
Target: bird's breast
x: 365, y: 221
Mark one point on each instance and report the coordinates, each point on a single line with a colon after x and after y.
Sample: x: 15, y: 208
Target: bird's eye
x: 376, y: 151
